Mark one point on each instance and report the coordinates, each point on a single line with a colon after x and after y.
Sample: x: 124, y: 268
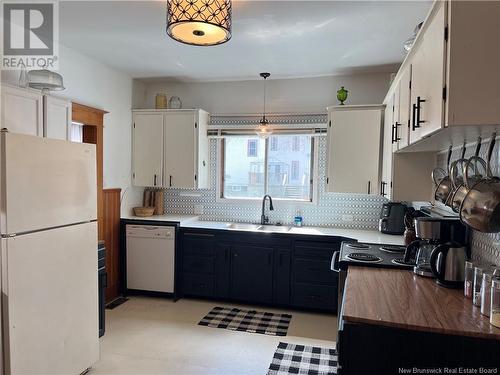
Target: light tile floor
x: 155, y: 336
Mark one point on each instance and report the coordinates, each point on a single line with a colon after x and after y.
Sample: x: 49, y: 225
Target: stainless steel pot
x: 461, y: 191
x: 480, y: 208
x: 444, y: 186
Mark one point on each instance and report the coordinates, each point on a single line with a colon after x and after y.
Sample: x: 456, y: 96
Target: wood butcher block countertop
x: 401, y: 299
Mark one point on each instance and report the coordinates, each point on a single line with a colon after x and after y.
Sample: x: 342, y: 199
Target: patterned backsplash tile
x: 485, y: 246
x: 331, y: 209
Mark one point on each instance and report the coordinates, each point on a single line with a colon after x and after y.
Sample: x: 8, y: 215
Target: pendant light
x: 199, y: 22
x: 264, y: 130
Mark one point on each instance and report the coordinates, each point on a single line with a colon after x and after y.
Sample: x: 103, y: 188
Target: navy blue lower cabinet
x: 222, y: 270
x: 282, y: 265
x: 252, y: 273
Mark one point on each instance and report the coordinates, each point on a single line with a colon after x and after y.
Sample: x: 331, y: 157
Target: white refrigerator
x: 48, y: 257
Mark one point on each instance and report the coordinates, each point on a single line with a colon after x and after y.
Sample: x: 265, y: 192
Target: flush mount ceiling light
x: 263, y: 130
x: 199, y: 22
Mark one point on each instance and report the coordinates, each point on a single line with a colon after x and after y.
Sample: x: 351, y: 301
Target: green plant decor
x: 342, y: 95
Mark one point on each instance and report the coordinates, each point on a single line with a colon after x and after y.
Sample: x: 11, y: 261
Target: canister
x: 486, y: 293
x: 469, y: 279
x: 495, y: 299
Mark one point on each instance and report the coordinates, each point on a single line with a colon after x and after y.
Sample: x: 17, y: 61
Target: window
x: 252, y: 148
x: 274, y: 143
x: 295, y: 170
x: 296, y: 143
x: 282, y: 172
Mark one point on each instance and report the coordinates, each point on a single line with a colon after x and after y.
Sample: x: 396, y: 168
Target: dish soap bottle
x: 298, y: 219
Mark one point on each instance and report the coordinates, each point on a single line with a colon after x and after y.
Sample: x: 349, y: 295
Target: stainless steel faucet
x: 263, y: 218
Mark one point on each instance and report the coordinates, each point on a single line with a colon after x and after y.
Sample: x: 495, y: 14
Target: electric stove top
x: 371, y: 255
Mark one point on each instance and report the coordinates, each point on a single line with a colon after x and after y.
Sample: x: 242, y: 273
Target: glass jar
x: 478, y: 281
x: 495, y: 299
x: 469, y: 279
x: 486, y: 293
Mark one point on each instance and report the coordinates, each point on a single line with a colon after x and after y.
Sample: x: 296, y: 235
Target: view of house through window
x: 280, y: 166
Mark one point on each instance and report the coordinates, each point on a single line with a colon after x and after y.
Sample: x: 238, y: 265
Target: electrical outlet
x: 348, y: 218
x: 198, y: 209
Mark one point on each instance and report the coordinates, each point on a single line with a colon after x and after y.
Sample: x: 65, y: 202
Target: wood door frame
x: 93, y: 132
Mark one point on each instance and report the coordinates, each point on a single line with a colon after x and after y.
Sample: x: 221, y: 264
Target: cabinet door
x: 147, y: 154
x: 282, y: 262
x: 252, y: 273
x: 22, y: 111
x: 56, y: 117
x: 180, y: 150
x: 354, y: 151
x: 403, y: 126
x: 385, y: 183
x: 396, y: 124
x: 222, y: 270
x: 428, y: 76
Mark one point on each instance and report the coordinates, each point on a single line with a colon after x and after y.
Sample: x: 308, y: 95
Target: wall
x: 92, y: 83
x: 300, y: 95
x: 303, y: 95
x: 485, y: 246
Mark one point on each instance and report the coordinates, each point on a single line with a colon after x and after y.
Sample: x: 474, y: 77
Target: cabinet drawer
x: 316, y: 252
x: 198, y: 244
x: 314, y: 296
x: 197, y: 264
x: 198, y: 285
x: 313, y: 271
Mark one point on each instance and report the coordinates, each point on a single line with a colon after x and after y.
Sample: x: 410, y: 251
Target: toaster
x: 392, y: 218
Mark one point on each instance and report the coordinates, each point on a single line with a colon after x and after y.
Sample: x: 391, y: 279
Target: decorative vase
x: 161, y: 101
x: 342, y: 95
x: 175, y: 103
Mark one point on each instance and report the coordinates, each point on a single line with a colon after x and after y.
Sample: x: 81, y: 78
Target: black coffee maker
x: 432, y: 232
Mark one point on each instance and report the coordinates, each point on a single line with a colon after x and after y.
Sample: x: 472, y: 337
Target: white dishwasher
x: 150, y: 258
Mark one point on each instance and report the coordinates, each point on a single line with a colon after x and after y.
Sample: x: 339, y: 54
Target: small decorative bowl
x: 144, y: 211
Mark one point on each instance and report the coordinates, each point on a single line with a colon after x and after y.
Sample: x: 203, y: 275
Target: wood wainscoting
x: 111, y: 231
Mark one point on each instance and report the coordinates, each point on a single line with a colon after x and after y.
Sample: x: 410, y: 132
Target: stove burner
x: 401, y: 262
x: 364, y: 257
x: 393, y: 249
x: 358, y: 246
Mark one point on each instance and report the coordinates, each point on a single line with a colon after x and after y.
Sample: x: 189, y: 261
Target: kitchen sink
x: 243, y: 226
x: 273, y: 228
x: 258, y: 227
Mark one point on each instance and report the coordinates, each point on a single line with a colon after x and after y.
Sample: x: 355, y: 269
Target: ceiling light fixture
x: 199, y: 22
x: 264, y: 130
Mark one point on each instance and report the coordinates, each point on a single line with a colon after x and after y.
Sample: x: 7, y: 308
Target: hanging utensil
x: 459, y: 194
x: 481, y: 206
x: 445, y: 186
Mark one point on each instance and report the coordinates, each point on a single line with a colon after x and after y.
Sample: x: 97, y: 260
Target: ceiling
x: 287, y: 38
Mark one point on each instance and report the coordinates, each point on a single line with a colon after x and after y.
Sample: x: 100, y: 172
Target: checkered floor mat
x: 247, y: 321
x: 303, y: 360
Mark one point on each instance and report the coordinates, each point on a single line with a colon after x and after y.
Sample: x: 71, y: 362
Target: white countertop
x: 361, y: 235
x: 181, y: 219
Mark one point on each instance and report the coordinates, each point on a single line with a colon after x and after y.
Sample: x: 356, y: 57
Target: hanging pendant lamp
x: 199, y: 22
x: 264, y: 131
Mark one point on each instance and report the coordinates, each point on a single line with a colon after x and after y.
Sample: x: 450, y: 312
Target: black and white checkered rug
x: 303, y: 360
x: 247, y: 321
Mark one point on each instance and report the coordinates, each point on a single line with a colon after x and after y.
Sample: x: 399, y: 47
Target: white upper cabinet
x: 173, y: 152
x: 403, y: 123
x: 147, y: 154
x: 428, y: 77
x: 387, y: 143
x: 454, y: 76
x: 353, y: 155
x: 57, y: 117
x: 22, y: 111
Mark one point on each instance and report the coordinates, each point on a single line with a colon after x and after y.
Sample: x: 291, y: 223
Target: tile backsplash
x: 332, y: 210
x: 485, y: 246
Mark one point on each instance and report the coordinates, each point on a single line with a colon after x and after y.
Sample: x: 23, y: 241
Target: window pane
x: 243, y: 167
x: 289, y: 167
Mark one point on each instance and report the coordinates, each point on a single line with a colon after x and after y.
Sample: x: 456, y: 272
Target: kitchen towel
x: 303, y: 360
x: 247, y: 321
